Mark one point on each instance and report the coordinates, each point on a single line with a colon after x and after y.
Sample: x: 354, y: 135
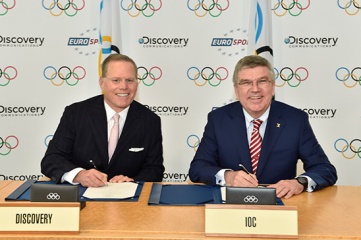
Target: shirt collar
x: 110, y: 112
x: 249, y: 118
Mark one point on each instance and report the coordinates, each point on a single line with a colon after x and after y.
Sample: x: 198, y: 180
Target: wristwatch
x: 303, y: 181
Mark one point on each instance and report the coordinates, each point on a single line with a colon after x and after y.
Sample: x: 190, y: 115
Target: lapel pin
x: 278, y: 125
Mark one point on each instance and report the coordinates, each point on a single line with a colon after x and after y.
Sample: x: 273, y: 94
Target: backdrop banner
x: 186, y: 51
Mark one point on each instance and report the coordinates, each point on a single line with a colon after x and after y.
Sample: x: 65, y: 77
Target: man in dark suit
x: 78, y: 152
x: 223, y: 156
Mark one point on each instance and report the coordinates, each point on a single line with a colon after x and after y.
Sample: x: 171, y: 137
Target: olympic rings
x: 9, y: 145
x: 14, y: 74
x: 346, y: 146
x: 250, y: 199
x: 348, y: 4
x: 207, y: 73
x: 300, y: 74
x: 76, y: 5
x: 64, y: 76
x: 53, y: 196
x: 143, y: 76
x: 215, y: 8
x: 280, y: 8
x: 356, y: 77
x: 135, y: 9
x: 196, y: 142
x: 6, y: 6
x: 48, y: 139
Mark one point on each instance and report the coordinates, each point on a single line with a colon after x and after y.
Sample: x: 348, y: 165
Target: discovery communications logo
x: 20, y: 177
x: 21, y: 111
x: 163, y: 42
x: 86, y: 43
x: 320, y: 113
x: 21, y: 41
x: 231, y: 43
x: 175, y: 177
x: 310, y: 42
x: 169, y: 110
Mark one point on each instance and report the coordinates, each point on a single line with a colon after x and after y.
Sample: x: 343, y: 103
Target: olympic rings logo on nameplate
x: 53, y: 196
x: 287, y: 74
x: 146, y: 7
x: 213, y: 7
x: 295, y: 8
x: 11, y: 142
x: 69, y: 7
x: 208, y: 74
x: 154, y: 74
x: 65, y: 74
x: 9, y: 73
x: 193, y: 141
x: 5, y: 6
x: 350, y: 5
x: 250, y: 199
x: 354, y: 146
x: 343, y: 74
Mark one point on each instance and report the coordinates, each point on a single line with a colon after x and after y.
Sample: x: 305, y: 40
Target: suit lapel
x: 98, y: 128
x: 275, y: 126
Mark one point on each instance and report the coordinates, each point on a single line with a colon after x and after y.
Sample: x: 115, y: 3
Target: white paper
x: 113, y: 190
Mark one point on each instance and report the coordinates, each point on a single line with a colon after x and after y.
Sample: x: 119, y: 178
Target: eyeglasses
x: 116, y: 81
x: 248, y: 83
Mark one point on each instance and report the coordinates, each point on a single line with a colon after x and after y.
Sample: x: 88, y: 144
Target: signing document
x: 112, y: 190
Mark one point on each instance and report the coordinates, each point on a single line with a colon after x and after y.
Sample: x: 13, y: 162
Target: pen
x: 244, y: 169
x: 95, y: 167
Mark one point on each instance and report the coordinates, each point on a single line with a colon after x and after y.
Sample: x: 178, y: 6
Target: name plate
x: 251, y: 221
x: 39, y: 217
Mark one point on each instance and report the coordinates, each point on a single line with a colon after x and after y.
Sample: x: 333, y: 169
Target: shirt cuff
x: 69, y: 176
x: 220, y: 177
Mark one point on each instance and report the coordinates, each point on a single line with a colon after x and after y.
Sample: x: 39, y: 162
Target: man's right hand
x: 240, y: 179
x: 91, y: 178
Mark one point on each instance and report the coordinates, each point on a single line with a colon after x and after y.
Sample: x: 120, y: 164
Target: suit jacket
x: 82, y: 136
x: 288, y: 137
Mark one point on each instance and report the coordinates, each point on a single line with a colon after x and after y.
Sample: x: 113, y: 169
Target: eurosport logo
x: 292, y: 7
x: 168, y: 110
x: 292, y: 77
x: 87, y: 43
x: 207, y: 74
x: 146, y: 7
x: 8, y: 74
x: 148, y: 77
x: 212, y: 7
x: 175, y: 177
x: 232, y: 42
x: 16, y: 41
x: 21, y: 111
x: 349, y: 77
x: 351, y: 7
x: 310, y: 42
x: 58, y: 7
x: 348, y: 149
x: 163, y: 42
x: 6, y: 5
x: 48, y: 139
x: 65, y: 74
x: 320, y: 113
x: 193, y: 141
x: 8, y: 144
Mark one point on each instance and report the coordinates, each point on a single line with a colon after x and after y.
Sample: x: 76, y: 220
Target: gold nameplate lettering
x: 251, y: 221
x: 39, y: 217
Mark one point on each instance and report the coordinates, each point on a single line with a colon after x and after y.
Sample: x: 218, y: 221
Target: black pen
x: 242, y: 168
x: 91, y: 161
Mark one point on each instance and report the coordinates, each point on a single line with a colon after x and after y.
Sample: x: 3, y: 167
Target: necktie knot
x: 256, y: 124
x: 116, y: 118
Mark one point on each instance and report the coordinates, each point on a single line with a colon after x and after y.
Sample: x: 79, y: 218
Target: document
x: 112, y: 191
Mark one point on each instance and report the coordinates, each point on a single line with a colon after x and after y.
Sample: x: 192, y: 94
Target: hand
x: 240, y: 179
x: 121, y: 178
x: 91, y: 178
x: 287, y: 188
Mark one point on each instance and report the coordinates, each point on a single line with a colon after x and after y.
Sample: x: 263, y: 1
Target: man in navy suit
x: 223, y: 156
x: 78, y: 152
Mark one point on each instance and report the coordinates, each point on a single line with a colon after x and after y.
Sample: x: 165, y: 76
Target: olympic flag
x: 260, y: 30
x: 110, y: 30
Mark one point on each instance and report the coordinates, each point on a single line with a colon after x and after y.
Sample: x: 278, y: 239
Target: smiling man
x: 259, y: 141
x: 82, y: 149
